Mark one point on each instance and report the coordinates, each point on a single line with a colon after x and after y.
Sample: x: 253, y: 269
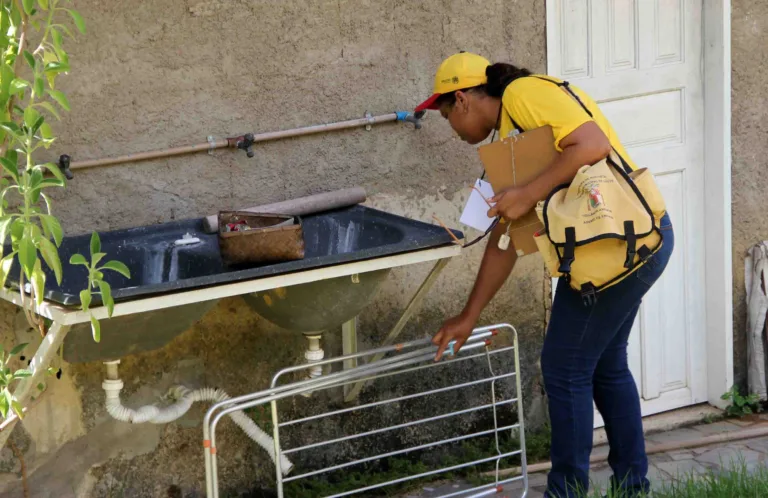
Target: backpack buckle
x: 565, y: 265
x: 588, y: 294
x: 568, y: 251
x: 644, y: 253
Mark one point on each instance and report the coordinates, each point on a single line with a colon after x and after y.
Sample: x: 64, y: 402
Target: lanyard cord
x: 496, y: 220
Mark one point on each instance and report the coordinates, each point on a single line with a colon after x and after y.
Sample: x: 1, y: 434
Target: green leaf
x: 117, y: 266
x: 51, y: 182
x: 17, y: 230
x: 48, y: 107
x: 85, y: 299
x: 4, y: 404
x: 11, y: 127
x: 5, y: 268
x: 30, y: 116
x: 52, y: 228
x: 37, y: 124
x: 6, y: 80
x: 95, y: 243
x: 51, y: 257
x: 747, y: 410
x: 60, y: 98
x: 30, y: 59
x: 18, y: 349
x: 27, y: 254
x: 18, y: 85
x: 22, y: 374
x: 78, y: 259
x: 57, y: 40
x: 96, y: 329
x: 29, y: 5
x: 41, y: 386
x: 5, y: 225
x: 35, y: 178
x: 38, y: 282
x: 106, y: 297
x: 46, y: 132
x: 10, y: 167
x: 18, y: 409
x: 55, y: 171
x: 96, y: 258
x: 79, y: 22
x: 65, y: 29
x: 39, y: 86
x: 43, y: 4
x: 57, y: 67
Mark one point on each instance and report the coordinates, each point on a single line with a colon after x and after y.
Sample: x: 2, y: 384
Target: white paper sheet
x: 475, y: 212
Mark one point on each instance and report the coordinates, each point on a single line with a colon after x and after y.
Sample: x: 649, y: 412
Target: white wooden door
x: 641, y: 60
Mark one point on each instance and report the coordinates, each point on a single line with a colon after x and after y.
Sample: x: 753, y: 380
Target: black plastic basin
x: 158, y: 265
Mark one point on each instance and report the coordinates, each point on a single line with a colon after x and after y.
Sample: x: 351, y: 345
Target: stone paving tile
x: 676, y: 436
x: 682, y: 469
x: 759, y: 445
x: 717, y: 428
x: 731, y: 457
x: 680, y: 455
x: 657, y: 476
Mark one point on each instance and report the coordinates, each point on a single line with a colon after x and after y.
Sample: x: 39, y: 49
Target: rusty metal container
x: 269, y: 238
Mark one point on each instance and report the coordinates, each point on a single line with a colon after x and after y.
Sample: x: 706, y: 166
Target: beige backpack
x: 601, y: 227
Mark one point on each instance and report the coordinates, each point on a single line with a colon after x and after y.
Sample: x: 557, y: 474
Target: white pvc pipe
x: 184, y: 399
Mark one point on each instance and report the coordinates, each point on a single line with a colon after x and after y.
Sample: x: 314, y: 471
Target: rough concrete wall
x: 750, y: 150
x: 162, y: 74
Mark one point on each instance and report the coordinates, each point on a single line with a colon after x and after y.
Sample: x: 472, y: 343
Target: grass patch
x: 737, y: 482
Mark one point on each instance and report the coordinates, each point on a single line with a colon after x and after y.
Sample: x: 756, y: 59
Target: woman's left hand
x: 511, y: 203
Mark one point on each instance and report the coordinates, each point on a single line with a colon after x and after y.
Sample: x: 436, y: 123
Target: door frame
x: 718, y: 256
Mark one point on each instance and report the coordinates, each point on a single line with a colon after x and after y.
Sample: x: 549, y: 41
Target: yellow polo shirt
x: 534, y: 103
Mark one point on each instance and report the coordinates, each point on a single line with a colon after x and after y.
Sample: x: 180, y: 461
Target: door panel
x: 641, y: 61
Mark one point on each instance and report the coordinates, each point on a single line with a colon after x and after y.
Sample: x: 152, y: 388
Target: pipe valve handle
x: 246, y: 143
x: 64, y: 162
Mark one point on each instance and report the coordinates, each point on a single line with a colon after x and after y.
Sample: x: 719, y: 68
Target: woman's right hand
x: 458, y: 329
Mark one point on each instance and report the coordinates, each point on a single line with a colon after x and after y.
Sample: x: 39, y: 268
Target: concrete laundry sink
x: 160, y: 265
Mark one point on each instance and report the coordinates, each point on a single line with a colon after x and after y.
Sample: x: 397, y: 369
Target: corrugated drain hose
x: 184, y: 398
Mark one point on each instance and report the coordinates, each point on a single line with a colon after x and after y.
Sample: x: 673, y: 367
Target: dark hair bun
x: 500, y: 75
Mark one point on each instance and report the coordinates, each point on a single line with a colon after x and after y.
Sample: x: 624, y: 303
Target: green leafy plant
x: 32, y: 56
x: 96, y: 283
x: 7, y: 378
x: 741, y: 405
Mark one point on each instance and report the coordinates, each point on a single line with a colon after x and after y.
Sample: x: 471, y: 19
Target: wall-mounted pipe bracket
x: 371, y: 121
x: 211, y: 145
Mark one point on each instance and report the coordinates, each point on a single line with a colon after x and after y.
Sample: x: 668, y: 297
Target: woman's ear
x: 462, y: 101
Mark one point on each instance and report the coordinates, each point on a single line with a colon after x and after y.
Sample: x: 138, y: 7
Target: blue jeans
x: 585, y: 358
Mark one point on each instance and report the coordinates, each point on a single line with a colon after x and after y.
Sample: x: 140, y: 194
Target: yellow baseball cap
x: 457, y: 72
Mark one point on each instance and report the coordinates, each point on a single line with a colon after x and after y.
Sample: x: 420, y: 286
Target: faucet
x: 411, y: 117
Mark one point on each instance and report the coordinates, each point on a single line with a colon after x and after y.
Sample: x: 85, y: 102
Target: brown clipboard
x: 515, y: 161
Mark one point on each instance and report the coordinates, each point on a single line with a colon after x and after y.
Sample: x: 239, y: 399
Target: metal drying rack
x: 401, y: 359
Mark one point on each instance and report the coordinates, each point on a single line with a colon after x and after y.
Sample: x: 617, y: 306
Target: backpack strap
x: 567, y: 87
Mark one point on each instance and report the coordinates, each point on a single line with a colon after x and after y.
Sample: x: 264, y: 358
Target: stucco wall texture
x: 162, y: 74
x: 750, y: 149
